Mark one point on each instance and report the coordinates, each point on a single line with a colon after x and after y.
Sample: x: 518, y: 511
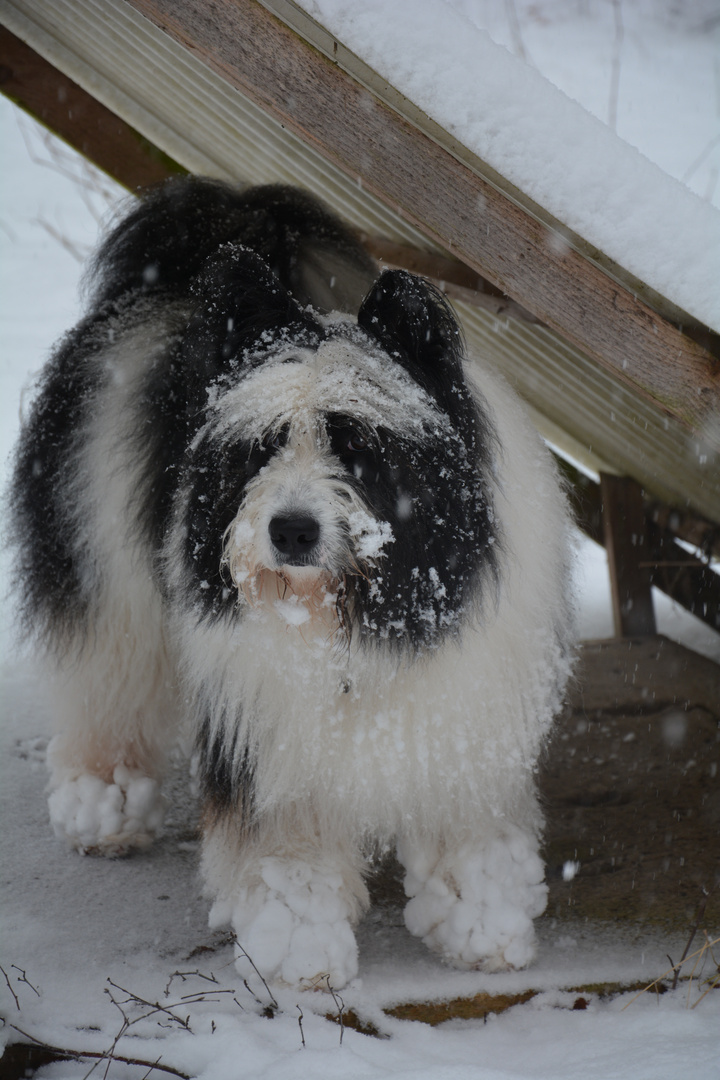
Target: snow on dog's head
x: 337, y: 469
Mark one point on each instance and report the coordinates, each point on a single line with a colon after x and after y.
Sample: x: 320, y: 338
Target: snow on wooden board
x: 568, y: 162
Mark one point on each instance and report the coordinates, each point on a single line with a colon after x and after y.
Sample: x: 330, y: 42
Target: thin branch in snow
x: 24, y: 979
x: 273, y: 1003
x: 300, y: 1020
x: 714, y: 981
x: 515, y: 31
x: 616, y: 64
x: 340, y: 1006
x: 185, y: 975
x: 198, y: 997
x: 698, y: 919
x: 268, y: 1010
x: 89, y: 181
x: 7, y: 980
x: 711, y: 184
x: 11, y: 234
x: 77, y: 1055
x: 709, y: 147
x: 153, y: 1006
x: 79, y: 252
x: 706, y: 948
x: 95, y: 189
x: 107, y: 1056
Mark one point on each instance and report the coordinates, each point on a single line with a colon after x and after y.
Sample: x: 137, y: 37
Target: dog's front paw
x: 107, y: 819
x: 476, y: 907
x: 294, y: 926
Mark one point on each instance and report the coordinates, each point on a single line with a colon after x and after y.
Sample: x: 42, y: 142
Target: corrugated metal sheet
x: 192, y: 114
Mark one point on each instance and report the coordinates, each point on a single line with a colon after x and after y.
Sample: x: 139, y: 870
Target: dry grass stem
x: 699, y: 955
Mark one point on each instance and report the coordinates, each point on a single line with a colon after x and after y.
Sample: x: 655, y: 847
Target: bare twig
x: 698, y: 917
x: 89, y: 180
x: 616, y: 64
x: 714, y: 980
x: 77, y: 1055
x: 699, y: 160
x: 24, y: 979
x: 79, y: 252
x: 107, y: 1055
x: 515, y: 31
x: 153, y: 1006
x: 7, y: 980
x: 273, y: 1002
x: 340, y: 1006
x: 185, y: 975
x: 656, y: 982
x: 300, y: 1020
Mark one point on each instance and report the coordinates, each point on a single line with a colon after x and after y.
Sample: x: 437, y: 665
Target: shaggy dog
x: 262, y: 494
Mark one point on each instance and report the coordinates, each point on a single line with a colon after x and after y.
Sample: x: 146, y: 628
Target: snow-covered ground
x: 70, y: 924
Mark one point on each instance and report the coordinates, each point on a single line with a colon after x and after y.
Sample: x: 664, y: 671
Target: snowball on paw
x: 476, y: 906
x: 321, y: 953
x: 107, y: 819
x: 294, y: 927
x: 266, y: 938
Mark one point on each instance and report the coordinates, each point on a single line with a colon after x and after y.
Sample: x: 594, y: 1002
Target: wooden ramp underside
x: 231, y: 90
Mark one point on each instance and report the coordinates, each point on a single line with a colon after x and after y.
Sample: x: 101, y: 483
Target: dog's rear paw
x: 107, y: 819
x: 294, y: 927
x: 477, y: 907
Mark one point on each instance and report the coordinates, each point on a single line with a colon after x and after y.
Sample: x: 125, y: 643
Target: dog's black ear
x: 414, y: 324
x: 240, y: 308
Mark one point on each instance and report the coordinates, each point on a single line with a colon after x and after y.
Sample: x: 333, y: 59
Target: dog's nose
x: 294, y: 537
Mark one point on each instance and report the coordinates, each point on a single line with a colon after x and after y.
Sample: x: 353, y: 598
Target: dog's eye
x: 274, y: 440
x: 357, y: 442
x: 357, y: 451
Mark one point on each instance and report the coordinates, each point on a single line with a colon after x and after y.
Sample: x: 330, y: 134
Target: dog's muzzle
x: 294, y: 538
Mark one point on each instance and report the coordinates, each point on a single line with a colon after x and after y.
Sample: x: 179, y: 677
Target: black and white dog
x: 262, y: 494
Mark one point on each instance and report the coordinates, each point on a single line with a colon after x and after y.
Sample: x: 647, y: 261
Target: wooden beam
x: 103, y: 138
x: 702, y: 534
x: 626, y: 542
x: 454, y: 278
x: 686, y: 578
x: 208, y: 125
x: 73, y: 114
x: 452, y: 203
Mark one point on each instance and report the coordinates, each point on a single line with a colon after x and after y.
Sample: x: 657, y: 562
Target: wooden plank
x: 626, y: 542
x: 172, y: 97
x: 453, y: 204
x: 687, y: 579
x: 702, y: 534
x: 103, y: 138
x: 315, y: 34
x: 454, y: 278
x: 38, y: 86
x: 67, y: 110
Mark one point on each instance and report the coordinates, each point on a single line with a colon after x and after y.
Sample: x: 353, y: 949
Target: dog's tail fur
x: 163, y: 243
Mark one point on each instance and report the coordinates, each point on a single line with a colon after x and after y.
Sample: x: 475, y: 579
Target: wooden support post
x: 626, y: 542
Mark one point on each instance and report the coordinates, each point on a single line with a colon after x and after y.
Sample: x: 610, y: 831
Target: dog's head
x: 338, y: 470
